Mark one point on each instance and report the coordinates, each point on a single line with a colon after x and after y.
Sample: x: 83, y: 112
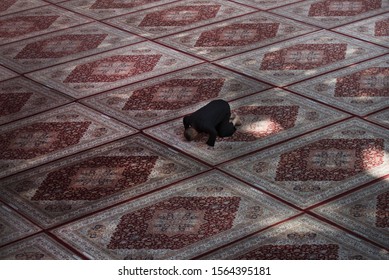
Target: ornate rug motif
x: 55, y: 134
x: 302, y: 238
x: 266, y: 4
x: 63, y: 46
x: 332, y: 13
x: 360, y: 89
x: 236, y: 35
x: 301, y: 58
x: 372, y: 29
x: 179, y: 222
x: 35, y: 22
x: 365, y: 212
x: 13, y: 6
x: 13, y: 226
x: 267, y: 118
x: 381, y: 118
x: 177, y: 17
x: 112, y: 69
x: 6, y: 74
x: 318, y: 166
x: 38, y: 247
x: 21, y: 98
x: 101, y: 9
x: 173, y: 95
x: 96, y: 179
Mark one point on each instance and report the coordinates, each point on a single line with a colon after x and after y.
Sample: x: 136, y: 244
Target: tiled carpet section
x: 54, y: 134
x: 151, y: 102
x: 112, y: 69
x: 21, y: 97
x: 302, y: 58
x: 99, y: 178
x: 101, y: 9
x: 364, y: 212
x: 268, y: 117
x: 319, y: 165
x: 331, y: 13
x: 178, y: 16
x: 361, y: 88
x: 94, y: 163
x: 374, y: 29
x: 236, y: 35
x: 54, y: 48
x: 180, y: 222
x: 30, y: 23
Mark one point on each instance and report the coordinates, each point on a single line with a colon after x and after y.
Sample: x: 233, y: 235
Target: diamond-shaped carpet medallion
x: 113, y: 69
x: 69, y: 44
x: 331, y: 13
x: 179, y: 222
x: 236, y: 35
x: 18, y: 26
x: 173, y: 95
x: 53, y: 135
x: 92, y: 180
x: 320, y: 165
x: 302, y: 57
x: 178, y: 16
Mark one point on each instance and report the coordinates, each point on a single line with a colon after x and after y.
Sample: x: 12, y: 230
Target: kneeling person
x: 215, y: 119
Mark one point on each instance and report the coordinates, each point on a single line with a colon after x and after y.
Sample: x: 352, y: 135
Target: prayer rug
x: 30, y: 23
x: 62, y: 46
x: 331, y: 13
x: 113, y: 69
x: 96, y: 179
x: 267, y: 118
x: 178, y: 16
x: 174, y: 95
x: 302, y: 57
x: 55, y: 134
x: 179, y: 222
x: 360, y: 89
x: 320, y: 165
x: 236, y: 35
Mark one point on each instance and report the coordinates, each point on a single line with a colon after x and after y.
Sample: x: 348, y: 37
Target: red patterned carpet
x: 93, y: 162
